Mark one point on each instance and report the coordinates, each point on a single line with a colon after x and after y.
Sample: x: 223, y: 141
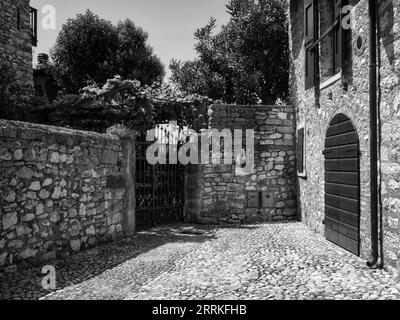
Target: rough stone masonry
x: 350, y: 95
x: 16, y: 40
x: 54, y: 193
x: 217, y: 194
x: 63, y: 190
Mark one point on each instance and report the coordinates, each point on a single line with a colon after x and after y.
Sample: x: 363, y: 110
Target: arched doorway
x: 342, y: 184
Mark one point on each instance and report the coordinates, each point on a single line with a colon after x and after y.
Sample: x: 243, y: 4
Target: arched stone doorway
x: 342, y: 184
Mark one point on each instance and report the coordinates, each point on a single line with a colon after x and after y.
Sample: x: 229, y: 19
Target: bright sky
x: 170, y: 23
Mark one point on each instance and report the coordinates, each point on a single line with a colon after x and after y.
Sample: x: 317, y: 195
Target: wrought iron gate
x: 159, y: 190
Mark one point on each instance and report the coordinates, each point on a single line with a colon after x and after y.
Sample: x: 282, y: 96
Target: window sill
x: 331, y: 81
x: 302, y: 175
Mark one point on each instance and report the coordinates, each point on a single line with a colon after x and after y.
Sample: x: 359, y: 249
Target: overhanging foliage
x: 125, y: 102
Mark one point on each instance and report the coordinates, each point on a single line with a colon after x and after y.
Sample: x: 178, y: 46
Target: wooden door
x: 342, y: 184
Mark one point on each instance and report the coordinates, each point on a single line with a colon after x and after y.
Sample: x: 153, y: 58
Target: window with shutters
x: 301, y: 151
x: 325, y: 40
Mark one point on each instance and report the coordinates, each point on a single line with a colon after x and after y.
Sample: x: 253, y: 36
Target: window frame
x: 338, y: 37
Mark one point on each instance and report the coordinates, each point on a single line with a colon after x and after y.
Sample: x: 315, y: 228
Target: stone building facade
x: 17, y: 36
x: 267, y: 191
x: 342, y: 91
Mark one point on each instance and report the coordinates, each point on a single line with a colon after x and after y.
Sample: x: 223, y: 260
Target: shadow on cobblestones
x: 26, y: 283
x: 253, y: 226
x: 271, y: 261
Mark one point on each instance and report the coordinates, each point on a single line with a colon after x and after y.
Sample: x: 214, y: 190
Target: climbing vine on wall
x: 13, y: 103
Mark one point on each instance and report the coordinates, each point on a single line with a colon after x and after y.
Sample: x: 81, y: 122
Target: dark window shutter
x: 310, y: 68
x: 346, y: 39
x: 300, y: 150
x: 338, y: 38
x: 18, y: 19
x: 33, y: 20
x: 309, y: 21
x: 338, y: 9
x: 309, y: 33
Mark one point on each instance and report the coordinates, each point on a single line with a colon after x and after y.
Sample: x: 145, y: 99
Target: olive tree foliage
x: 92, y: 50
x: 246, y: 62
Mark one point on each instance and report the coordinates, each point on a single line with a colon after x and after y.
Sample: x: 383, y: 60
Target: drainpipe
x: 374, y: 134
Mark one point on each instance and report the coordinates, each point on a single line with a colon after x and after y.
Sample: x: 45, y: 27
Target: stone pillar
x: 193, y: 193
x: 128, y: 139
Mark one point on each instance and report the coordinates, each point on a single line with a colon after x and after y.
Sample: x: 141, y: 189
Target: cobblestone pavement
x: 268, y: 261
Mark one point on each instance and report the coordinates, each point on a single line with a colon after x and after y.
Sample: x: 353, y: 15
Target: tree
x: 246, y: 62
x: 91, y: 49
x: 135, y: 58
x: 197, y: 77
x: 85, y: 51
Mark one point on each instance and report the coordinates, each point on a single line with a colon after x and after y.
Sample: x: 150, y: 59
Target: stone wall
x: 218, y: 194
x: 55, y: 193
x: 389, y: 12
x: 350, y: 96
x: 16, y: 42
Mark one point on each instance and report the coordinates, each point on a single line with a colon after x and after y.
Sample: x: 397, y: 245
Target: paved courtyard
x: 267, y: 261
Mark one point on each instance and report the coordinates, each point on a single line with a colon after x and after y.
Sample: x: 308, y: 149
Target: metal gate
x: 342, y: 184
x: 159, y: 190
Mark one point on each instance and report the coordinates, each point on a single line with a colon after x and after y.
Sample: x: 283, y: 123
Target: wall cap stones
x: 28, y: 131
x: 122, y: 131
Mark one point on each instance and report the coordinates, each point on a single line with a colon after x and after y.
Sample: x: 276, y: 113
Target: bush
x: 126, y: 102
